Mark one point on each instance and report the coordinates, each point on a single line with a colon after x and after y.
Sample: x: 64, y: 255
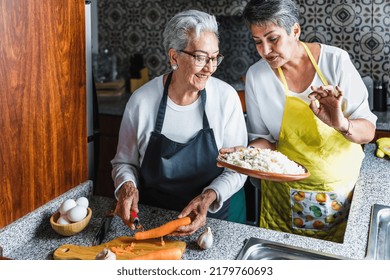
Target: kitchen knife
x: 104, y: 227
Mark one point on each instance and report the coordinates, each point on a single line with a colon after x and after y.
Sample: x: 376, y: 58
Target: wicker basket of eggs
x: 72, y: 216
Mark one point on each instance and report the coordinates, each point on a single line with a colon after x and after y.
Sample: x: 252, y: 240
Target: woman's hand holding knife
x: 127, y: 205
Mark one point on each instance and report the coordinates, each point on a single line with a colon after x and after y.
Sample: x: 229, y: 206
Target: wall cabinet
x: 43, y: 143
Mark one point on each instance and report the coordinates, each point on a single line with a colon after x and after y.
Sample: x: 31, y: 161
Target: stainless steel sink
x: 259, y: 249
x: 378, y: 247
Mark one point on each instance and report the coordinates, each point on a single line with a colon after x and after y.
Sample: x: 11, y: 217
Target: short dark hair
x: 284, y: 13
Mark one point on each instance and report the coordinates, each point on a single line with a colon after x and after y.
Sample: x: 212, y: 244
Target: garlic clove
x: 205, y: 240
x: 106, y: 254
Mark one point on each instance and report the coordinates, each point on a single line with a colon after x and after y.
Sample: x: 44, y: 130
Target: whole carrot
x: 163, y: 254
x: 162, y: 230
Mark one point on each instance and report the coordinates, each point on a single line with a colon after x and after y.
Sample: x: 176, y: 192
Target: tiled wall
x: 361, y: 27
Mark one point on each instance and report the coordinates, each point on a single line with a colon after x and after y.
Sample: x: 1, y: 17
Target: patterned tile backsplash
x: 361, y: 27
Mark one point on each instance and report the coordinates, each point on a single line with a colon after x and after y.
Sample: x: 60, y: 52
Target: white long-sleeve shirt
x: 181, y: 123
x: 265, y: 96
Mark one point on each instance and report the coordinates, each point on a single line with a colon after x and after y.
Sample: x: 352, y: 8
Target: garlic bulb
x: 106, y: 254
x: 205, y: 240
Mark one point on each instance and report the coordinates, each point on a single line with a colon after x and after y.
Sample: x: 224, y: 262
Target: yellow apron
x: 317, y: 206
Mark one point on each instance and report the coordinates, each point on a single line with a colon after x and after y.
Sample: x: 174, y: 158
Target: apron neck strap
x: 203, y: 97
x: 163, y: 105
x: 313, y: 61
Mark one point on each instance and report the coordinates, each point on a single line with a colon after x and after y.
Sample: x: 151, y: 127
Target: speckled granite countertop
x: 31, y: 237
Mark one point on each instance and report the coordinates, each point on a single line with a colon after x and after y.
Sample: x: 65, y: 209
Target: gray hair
x: 177, y: 31
x: 284, y: 13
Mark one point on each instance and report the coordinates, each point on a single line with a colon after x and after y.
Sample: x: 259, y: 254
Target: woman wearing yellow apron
x: 294, y: 106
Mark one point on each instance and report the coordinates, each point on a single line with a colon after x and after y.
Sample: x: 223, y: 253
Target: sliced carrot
x: 121, y: 251
x: 130, y: 247
x: 163, y: 254
x: 118, y: 251
x: 162, y: 230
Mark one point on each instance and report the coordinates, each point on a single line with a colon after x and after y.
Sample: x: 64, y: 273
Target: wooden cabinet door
x: 43, y: 141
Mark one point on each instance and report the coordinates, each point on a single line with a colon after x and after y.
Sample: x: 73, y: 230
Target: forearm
x: 118, y: 189
x: 224, y: 186
x: 360, y: 131
x: 208, y: 197
x: 122, y: 173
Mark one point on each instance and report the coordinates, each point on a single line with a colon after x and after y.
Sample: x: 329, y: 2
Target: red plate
x: 276, y: 177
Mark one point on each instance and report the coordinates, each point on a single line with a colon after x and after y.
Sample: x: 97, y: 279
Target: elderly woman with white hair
x: 173, y: 128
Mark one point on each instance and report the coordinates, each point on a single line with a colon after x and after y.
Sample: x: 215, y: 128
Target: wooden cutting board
x: 139, y: 247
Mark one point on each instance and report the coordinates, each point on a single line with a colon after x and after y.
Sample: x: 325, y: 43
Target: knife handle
x: 135, y: 218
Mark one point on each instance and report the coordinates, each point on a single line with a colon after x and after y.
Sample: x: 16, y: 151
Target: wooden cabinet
x: 43, y: 143
x: 108, y: 141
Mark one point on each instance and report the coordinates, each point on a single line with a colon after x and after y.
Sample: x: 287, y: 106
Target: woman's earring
x: 174, y: 67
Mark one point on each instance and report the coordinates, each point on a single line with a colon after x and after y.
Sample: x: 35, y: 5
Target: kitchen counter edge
x: 31, y: 237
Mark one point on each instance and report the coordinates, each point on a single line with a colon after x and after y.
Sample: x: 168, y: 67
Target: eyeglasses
x: 202, y: 60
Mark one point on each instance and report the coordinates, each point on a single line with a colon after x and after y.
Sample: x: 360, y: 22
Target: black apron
x: 173, y: 173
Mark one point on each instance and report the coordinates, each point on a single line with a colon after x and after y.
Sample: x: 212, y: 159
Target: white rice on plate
x: 265, y: 160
